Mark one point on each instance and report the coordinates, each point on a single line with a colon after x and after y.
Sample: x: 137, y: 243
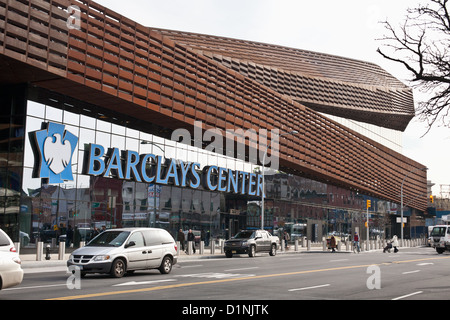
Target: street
x: 413, y: 273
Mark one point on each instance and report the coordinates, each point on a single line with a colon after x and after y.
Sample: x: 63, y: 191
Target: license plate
x: 74, y: 266
x: 234, y: 251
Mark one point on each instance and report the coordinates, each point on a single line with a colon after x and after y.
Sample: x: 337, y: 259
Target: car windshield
x: 109, y: 239
x: 438, y: 231
x: 244, y: 235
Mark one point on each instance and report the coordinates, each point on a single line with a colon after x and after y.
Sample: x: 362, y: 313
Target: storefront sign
x: 55, y: 146
x: 129, y: 165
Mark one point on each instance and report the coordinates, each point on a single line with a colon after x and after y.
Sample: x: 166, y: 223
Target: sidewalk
x: 30, y: 264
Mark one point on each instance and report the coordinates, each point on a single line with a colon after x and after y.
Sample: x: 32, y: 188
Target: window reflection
x: 87, y: 202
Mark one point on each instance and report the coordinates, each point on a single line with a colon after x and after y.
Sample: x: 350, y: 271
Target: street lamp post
x: 263, y: 183
x: 401, y: 198
x: 154, y: 185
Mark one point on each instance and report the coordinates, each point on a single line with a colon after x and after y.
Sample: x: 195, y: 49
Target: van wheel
x: 273, y: 250
x: 228, y: 254
x: 118, y: 268
x: 252, y: 251
x: 166, y: 265
x: 440, y: 250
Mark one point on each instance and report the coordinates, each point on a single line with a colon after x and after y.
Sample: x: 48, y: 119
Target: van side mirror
x: 130, y: 244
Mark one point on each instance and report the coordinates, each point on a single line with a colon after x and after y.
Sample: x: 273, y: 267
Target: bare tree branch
x: 421, y: 44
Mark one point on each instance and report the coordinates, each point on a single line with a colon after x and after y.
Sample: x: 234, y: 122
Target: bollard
x: 308, y: 245
x: 296, y: 245
x: 339, y: 245
x: 189, y: 251
x: 282, y: 245
x: 222, y: 244
x: 201, y: 249
x: 213, y: 246
x: 39, y: 251
x: 61, y: 250
x: 178, y: 247
x: 324, y: 244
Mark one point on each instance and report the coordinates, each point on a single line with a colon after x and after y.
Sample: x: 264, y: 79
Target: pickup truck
x: 250, y: 242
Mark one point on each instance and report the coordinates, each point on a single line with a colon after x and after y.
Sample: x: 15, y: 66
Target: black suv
x: 250, y: 242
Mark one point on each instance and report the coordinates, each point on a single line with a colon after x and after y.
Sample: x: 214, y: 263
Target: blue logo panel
x: 56, y: 147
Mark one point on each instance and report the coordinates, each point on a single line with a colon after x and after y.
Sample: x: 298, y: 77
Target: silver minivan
x: 118, y: 251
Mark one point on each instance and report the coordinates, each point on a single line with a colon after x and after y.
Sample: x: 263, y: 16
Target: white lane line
x: 136, y: 283
x: 338, y: 260
x: 425, y: 263
x: 408, y: 272
x: 193, y: 266
x: 44, y: 269
x: 307, y: 288
x: 408, y: 295
x: 35, y: 287
x: 241, y: 269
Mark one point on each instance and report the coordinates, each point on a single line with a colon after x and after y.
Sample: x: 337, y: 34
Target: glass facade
x: 35, y: 209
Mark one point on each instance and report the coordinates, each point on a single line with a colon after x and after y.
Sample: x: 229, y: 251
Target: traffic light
x: 431, y: 198
x: 368, y: 204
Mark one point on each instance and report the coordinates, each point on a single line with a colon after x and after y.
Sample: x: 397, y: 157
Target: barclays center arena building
x: 91, y: 104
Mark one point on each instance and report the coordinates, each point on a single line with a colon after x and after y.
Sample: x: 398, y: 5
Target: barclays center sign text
x: 149, y: 168
x: 54, y: 147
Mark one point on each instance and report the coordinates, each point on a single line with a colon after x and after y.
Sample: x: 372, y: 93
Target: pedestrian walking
x: 395, y: 243
x: 286, y: 238
x: 333, y: 244
x: 180, y: 238
x: 356, y: 242
x: 69, y: 236
x: 191, y: 237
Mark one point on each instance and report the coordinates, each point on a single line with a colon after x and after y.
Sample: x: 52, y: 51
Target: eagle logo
x: 55, y: 149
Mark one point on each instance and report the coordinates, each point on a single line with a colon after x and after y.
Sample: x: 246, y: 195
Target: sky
x: 348, y: 28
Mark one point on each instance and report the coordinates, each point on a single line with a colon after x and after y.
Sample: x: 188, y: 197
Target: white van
x: 118, y: 251
x: 440, y: 238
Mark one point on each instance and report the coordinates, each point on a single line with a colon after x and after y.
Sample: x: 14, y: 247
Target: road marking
x: 296, y: 258
x: 408, y: 272
x: 135, y: 283
x: 338, y: 260
x: 35, y: 287
x: 425, y: 263
x: 241, y: 269
x: 217, y: 275
x: 408, y: 295
x: 194, y: 266
x: 44, y: 269
x: 252, y: 277
x: 307, y: 288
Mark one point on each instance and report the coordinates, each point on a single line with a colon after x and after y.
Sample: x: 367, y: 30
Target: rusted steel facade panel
x: 158, y: 77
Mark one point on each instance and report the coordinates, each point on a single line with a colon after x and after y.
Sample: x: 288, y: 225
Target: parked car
x: 11, y: 273
x: 250, y: 242
x: 6, y: 244
x: 118, y: 251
